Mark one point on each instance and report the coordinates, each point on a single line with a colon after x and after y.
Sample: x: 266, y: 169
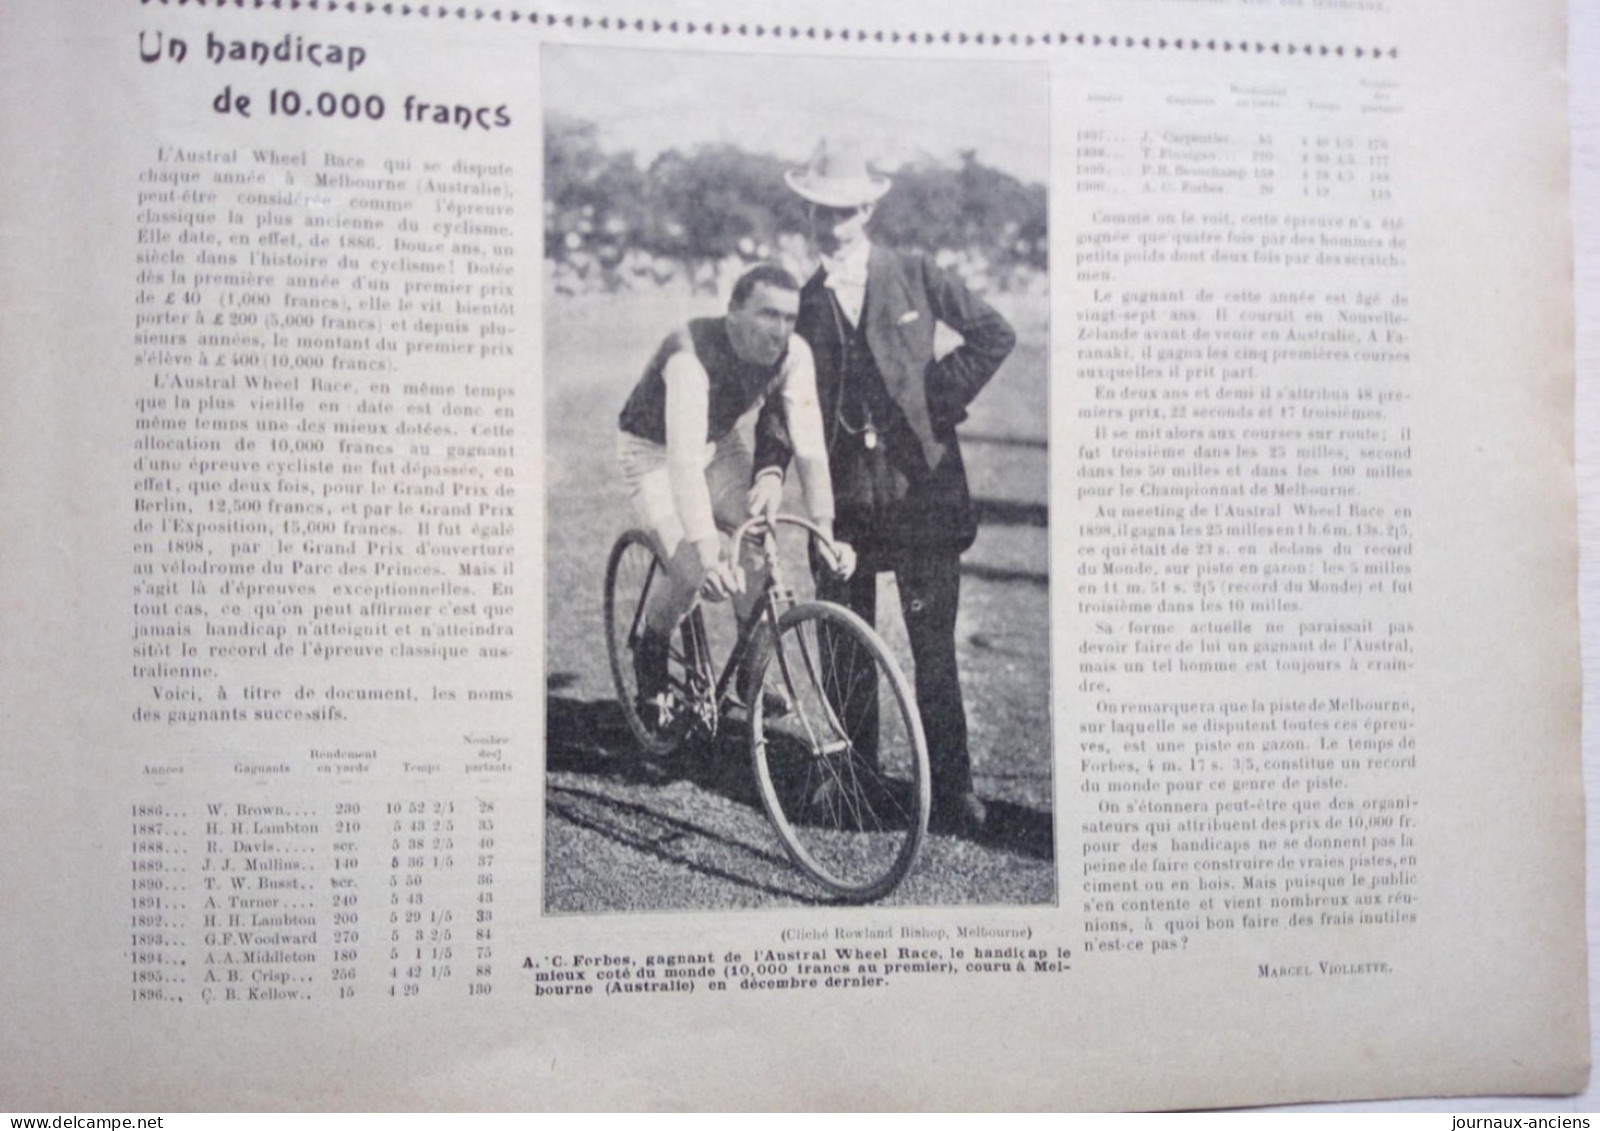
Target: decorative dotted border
x: 792, y: 32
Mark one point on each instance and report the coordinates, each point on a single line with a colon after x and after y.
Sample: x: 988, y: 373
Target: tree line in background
x: 693, y: 220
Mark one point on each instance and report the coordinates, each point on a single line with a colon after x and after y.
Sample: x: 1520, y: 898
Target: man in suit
x: 889, y: 411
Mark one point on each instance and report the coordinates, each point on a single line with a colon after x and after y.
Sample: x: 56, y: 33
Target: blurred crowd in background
x: 693, y: 221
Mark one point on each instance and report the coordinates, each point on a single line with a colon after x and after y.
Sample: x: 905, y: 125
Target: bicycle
x: 835, y: 738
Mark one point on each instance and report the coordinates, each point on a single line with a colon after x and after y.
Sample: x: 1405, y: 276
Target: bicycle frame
x: 849, y: 821
x: 776, y: 596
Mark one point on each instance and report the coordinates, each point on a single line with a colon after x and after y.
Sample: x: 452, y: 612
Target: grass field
x: 626, y: 834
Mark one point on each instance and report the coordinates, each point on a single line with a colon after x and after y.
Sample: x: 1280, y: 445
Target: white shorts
x: 643, y: 463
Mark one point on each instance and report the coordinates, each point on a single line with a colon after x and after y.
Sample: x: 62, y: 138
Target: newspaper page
x: 1173, y: 703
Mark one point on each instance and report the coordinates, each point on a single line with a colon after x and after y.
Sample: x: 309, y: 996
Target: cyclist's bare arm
x: 804, y: 412
x: 803, y: 417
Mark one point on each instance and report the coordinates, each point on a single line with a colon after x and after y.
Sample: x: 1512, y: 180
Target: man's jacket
x: 907, y: 295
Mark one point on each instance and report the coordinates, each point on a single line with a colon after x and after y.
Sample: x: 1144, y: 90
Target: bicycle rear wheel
x: 838, y: 750
x: 633, y: 569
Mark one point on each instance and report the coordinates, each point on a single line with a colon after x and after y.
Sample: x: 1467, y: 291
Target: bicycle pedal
x: 657, y: 711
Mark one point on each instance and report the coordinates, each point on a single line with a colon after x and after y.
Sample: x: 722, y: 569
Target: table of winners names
x: 1240, y: 165
x: 265, y: 901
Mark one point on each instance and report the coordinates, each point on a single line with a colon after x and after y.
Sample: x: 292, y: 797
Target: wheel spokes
x: 842, y: 773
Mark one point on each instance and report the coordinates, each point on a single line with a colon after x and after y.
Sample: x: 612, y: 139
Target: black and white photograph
x: 796, y: 370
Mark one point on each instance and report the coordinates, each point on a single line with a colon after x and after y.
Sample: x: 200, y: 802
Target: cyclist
x: 685, y: 444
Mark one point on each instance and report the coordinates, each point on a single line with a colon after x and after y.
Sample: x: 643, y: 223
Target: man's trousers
x: 929, y: 580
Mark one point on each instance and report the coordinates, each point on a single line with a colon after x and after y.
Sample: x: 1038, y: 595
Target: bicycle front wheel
x: 633, y: 570
x: 838, y: 750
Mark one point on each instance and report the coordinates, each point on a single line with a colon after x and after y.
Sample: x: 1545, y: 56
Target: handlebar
x: 757, y: 523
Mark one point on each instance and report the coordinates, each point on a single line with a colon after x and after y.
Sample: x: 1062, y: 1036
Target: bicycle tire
x: 633, y: 567
x: 826, y: 692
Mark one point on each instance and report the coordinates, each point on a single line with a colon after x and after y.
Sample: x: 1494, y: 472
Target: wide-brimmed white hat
x: 838, y: 176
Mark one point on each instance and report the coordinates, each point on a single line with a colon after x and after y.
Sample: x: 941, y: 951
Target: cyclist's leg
x: 728, y: 479
x: 644, y: 473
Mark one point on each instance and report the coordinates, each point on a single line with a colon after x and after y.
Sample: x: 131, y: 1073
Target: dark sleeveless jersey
x: 734, y: 384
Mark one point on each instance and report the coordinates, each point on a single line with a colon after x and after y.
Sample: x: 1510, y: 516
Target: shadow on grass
x: 1005, y: 574
x: 671, y: 840
x: 995, y: 439
x: 1010, y: 512
x: 591, y: 738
